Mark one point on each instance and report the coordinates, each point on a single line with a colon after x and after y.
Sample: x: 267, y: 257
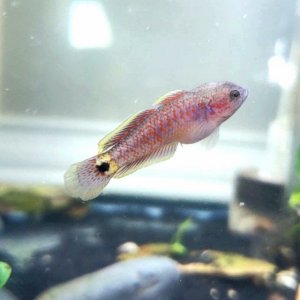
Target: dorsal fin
x: 163, y: 153
x: 123, y: 130
x: 169, y: 97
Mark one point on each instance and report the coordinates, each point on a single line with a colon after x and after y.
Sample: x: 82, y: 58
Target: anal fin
x: 163, y: 153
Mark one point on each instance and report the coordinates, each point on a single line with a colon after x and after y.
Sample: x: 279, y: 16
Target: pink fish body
x: 153, y: 135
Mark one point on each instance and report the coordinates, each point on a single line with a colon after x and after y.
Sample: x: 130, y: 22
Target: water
x: 73, y: 70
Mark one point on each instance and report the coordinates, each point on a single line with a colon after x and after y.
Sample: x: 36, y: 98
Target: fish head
x: 222, y: 99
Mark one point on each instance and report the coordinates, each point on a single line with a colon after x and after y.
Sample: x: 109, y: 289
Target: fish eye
x: 234, y: 94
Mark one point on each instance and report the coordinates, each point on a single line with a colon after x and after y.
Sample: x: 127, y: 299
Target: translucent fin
x: 123, y: 130
x: 211, y: 141
x: 83, y: 180
x: 156, y: 156
x: 169, y: 97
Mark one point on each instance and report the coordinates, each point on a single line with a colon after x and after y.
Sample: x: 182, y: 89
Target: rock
x: 144, y: 278
x: 7, y: 295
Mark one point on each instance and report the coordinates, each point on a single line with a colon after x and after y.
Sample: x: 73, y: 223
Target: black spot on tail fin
x: 84, y: 180
x: 104, y: 167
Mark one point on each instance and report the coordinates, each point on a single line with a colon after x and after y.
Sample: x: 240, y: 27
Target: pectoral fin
x: 211, y: 141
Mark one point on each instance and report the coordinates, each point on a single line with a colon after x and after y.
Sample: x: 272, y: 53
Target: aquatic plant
x: 294, y: 200
x: 177, y: 246
x: 35, y: 200
x: 5, y: 272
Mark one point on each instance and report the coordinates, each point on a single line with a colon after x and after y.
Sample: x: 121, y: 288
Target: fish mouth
x: 244, y: 93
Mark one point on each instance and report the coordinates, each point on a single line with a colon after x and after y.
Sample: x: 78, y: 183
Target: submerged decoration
x: 229, y: 264
x: 143, y: 278
x: 207, y: 262
x: 153, y: 135
x: 202, y: 262
x: 130, y: 250
x: 37, y: 200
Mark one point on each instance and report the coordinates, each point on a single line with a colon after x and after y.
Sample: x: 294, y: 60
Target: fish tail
x: 84, y: 180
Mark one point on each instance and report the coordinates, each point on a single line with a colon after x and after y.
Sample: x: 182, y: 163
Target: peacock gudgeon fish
x: 153, y: 135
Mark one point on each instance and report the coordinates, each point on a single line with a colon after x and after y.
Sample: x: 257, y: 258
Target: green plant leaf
x: 176, y: 244
x: 181, y: 230
x: 294, y: 200
x: 178, y: 249
x: 5, y: 272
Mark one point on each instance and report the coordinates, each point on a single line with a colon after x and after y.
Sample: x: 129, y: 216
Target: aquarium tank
x: 195, y: 195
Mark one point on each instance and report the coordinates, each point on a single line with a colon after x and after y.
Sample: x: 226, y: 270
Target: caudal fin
x: 83, y: 180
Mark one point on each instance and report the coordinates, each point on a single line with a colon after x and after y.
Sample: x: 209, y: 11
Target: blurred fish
x: 153, y: 135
